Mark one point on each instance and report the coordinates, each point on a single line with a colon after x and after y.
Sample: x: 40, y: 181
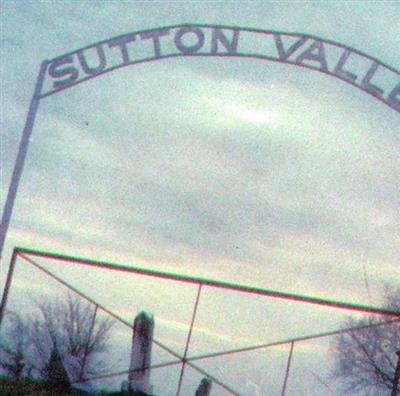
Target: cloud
x: 236, y: 178
x: 232, y: 169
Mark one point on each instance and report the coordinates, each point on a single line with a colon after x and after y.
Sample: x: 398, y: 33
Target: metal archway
x: 201, y: 40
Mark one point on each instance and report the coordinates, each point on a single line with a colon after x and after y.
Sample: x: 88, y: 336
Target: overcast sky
x: 232, y: 169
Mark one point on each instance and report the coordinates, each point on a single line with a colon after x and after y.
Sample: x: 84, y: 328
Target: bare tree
x: 73, y: 328
x: 69, y: 326
x: 366, y: 358
x: 13, y: 346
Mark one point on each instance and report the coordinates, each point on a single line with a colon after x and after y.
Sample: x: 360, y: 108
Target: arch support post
x: 20, y: 160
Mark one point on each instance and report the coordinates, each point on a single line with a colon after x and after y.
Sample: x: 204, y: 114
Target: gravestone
x: 204, y: 388
x: 139, y: 376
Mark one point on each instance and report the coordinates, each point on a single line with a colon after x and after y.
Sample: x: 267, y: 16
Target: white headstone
x: 139, y: 377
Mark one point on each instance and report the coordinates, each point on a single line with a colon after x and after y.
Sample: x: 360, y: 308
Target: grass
x: 29, y: 387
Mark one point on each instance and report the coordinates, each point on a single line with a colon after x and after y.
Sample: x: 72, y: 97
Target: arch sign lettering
x: 351, y: 66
